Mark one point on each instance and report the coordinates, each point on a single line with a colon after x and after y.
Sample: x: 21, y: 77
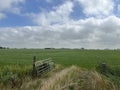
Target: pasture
x: 16, y: 67
x: 82, y: 58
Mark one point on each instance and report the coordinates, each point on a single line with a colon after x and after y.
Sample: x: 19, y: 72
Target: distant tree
x: 82, y: 48
x: 3, y: 47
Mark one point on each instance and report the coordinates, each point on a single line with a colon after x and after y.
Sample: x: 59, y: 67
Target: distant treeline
x: 82, y: 48
x: 4, y: 47
x: 64, y: 48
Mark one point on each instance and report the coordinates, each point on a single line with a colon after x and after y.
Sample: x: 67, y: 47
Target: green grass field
x: 16, y: 64
x: 82, y: 58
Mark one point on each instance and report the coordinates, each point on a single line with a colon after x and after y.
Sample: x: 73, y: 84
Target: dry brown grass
x: 71, y: 78
x: 92, y: 80
x: 60, y: 79
x: 74, y: 78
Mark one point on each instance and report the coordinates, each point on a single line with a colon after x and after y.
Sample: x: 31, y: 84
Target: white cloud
x: 60, y: 15
x: 57, y: 29
x: 88, y: 33
x: 97, y: 7
x: 10, y: 6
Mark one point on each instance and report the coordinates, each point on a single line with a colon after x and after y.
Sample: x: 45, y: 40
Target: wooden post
x: 103, y: 67
x: 34, y: 68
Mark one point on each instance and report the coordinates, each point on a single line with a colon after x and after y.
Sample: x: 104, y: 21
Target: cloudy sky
x: 60, y: 23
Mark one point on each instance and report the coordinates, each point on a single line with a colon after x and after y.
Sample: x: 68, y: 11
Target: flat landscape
x: 74, y: 69
x: 65, y: 57
x: 60, y: 45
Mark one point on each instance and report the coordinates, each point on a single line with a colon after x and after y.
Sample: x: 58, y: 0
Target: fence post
x: 103, y: 67
x: 34, y: 68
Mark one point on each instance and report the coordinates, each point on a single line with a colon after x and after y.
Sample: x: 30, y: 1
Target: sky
x: 92, y: 24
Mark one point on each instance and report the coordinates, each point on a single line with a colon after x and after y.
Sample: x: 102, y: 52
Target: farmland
x: 17, y: 63
x: 82, y: 58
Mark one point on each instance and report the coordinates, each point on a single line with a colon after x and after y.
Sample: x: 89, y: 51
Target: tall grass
x: 60, y: 79
x: 16, y: 67
x: 74, y: 78
x: 111, y: 72
x: 13, y: 75
x: 71, y: 78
